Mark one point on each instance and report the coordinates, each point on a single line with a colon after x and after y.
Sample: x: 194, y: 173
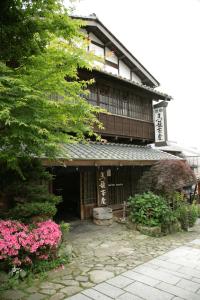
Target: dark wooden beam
x: 108, y: 43
x: 122, y: 56
x: 134, y: 69
x: 96, y: 163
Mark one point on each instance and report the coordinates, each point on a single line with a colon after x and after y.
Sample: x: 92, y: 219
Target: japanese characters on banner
x: 159, y: 125
x: 102, y: 186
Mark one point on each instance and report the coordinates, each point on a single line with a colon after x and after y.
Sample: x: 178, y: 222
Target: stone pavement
x: 102, y: 253
x: 172, y: 276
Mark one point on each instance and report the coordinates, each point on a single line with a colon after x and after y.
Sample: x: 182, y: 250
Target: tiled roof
x: 112, y: 151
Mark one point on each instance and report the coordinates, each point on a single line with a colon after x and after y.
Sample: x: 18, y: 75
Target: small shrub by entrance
x: 150, y: 210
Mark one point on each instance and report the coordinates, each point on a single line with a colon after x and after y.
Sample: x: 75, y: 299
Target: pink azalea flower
x: 27, y: 260
x: 18, y: 239
x: 16, y: 262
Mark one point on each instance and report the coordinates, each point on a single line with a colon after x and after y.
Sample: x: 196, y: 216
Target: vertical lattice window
x: 92, y: 97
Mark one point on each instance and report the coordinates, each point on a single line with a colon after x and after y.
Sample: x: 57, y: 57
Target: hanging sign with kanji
x: 159, y: 125
x: 102, y: 188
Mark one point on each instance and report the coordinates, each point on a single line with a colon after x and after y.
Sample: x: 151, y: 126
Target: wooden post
x: 81, y: 197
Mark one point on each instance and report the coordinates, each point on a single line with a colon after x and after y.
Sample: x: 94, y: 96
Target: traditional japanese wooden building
x: 107, y: 173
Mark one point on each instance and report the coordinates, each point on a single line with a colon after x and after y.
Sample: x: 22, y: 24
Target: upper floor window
x: 110, y: 62
x: 125, y: 103
x: 96, y: 49
x: 92, y: 97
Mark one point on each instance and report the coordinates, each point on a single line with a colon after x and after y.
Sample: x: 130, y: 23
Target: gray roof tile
x: 112, y: 151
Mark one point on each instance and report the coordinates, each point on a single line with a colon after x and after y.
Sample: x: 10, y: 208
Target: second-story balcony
x: 124, y: 127
x: 130, y: 113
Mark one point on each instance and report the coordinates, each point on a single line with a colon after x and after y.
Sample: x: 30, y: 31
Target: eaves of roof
x: 94, y: 154
x: 163, y: 96
x: 93, y: 18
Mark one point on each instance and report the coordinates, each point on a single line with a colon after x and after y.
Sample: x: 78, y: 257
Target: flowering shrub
x: 23, y: 244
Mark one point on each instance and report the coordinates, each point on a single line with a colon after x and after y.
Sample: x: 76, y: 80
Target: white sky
x: 164, y: 35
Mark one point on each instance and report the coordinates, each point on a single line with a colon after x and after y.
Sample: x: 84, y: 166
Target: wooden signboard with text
x: 160, y: 123
x: 102, y: 188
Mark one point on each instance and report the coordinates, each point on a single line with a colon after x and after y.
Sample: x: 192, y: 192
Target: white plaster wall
x: 96, y: 50
x: 124, y: 70
x: 93, y: 37
x: 110, y: 69
x: 99, y: 65
x: 110, y: 55
x: 136, y: 78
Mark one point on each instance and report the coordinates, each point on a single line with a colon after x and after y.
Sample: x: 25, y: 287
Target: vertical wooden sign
x: 160, y: 123
x: 102, y: 188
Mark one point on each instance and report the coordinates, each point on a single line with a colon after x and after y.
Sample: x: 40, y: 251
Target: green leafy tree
x: 41, y: 49
x: 28, y: 198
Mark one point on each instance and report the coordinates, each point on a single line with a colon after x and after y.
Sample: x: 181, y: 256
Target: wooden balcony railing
x: 119, y: 126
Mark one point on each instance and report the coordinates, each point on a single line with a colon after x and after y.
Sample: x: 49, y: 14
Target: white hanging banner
x: 159, y: 120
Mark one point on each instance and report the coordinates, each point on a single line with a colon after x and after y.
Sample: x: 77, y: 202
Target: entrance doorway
x: 66, y: 184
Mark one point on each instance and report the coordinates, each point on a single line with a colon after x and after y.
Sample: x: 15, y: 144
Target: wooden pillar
x: 81, y: 196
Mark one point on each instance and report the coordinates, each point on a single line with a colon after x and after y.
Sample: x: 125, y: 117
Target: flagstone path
x: 102, y: 253
x: 172, y: 276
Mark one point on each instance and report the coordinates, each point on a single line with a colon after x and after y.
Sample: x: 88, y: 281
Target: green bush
x: 182, y: 216
x: 29, y: 196
x: 192, y: 214
x: 187, y: 215
x: 28, y: 210
x: 198, y: 210
x: 177, y: 200
x: 150, y: 210
x: 65, y: 227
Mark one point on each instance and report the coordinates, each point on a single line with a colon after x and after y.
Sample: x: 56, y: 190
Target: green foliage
x: 175, y: 200
x: 9, y: 284
x: 150, y: 209
x: 39, y: 210
x: 65, y: 227
x: 192, y: 214
x: 151, y: 231
x: 198, y: 210
x: 41, y: 49
x: 187, y: 215
x: 182, y: 215
x: 29, y: 196
x: 37, y: 271
x: 46, y: 265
